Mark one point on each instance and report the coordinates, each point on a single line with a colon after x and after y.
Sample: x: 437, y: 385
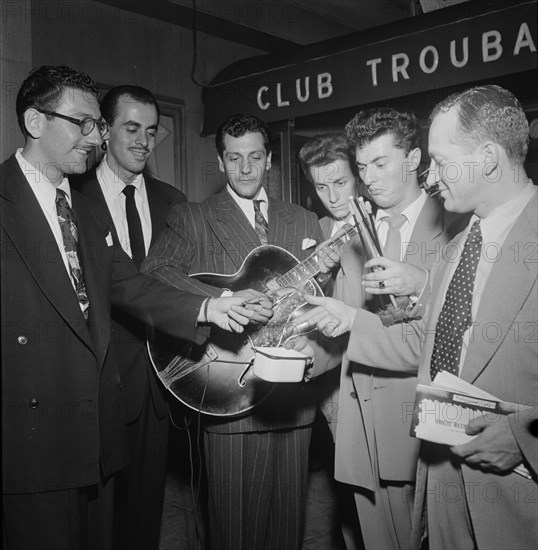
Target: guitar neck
x: 300, y: 274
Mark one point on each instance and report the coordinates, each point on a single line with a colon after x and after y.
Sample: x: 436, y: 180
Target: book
x: 443, y: 410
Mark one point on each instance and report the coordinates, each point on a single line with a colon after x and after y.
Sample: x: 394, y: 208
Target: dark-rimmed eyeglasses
x: 87, y: 124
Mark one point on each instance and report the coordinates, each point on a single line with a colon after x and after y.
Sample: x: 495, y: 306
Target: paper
x: 443, y: 410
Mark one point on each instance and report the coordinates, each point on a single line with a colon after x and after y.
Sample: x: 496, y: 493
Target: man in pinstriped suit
x: 257, y: 465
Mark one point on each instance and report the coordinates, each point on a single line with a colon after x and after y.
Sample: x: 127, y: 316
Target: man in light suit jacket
x: 469, y: 496
x: 371, y: 426
x: 257, y: 465
x: 63, y: 417
x: 132, y: 114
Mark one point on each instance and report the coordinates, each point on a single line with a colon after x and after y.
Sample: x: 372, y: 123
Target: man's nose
x: 142, y: 139
x: 333, y: 194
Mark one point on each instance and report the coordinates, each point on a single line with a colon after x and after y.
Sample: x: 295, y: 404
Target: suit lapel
x: 38, y: 249
x: 427, y: 228
x: 91, y: 189
x: 159, y: 205
x: 232, y: 229
x: 327, y: 224
x: 497, y: 306
x: 279, y: 220
x: 439, y: 280
x: 91, y: 245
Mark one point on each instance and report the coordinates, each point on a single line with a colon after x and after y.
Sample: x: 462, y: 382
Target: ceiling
x: 280, y: 25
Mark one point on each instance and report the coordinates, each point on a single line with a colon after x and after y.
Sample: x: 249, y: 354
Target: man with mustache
x: 132, y: 113
x: 64, y: 436
x: 257, y: 464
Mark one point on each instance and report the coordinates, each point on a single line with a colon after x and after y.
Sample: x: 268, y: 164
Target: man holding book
x: 480, y: 326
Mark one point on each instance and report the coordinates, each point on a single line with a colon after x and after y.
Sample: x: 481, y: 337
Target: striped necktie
x: 262, y: 228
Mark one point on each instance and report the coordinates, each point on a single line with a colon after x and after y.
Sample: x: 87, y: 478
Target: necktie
x: 261, y: 223
x: 68, y: 227
x: 136, y: 236
x: 393, y: 244
x: 455, y: 316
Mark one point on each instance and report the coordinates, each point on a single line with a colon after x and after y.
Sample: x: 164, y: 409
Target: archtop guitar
x: 216, y: 378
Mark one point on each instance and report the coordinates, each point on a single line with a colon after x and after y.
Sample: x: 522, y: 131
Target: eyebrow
x: 259, y: 151
x: 82, y: 115
x: 135, y: 123
x: 373, y: 160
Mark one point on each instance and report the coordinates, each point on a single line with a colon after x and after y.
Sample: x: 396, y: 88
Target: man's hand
x: 494, y: 450
x: 331, y: 317
x: 258, y: 303
x: 301, y: 343
x: 327, y: 257
x: 232, y: 314
x: 397, y: 278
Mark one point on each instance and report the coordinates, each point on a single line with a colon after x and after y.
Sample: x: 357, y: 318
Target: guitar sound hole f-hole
x: 241, y: 380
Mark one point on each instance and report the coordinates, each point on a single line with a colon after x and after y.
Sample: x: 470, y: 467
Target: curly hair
x: 109, y: 103
x: 324, y: 149
x: 239, y: 125
x: 372, y: 123
x: 489, y: 113
x: 44, y: 87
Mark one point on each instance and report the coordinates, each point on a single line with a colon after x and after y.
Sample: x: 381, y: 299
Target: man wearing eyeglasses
x: 133, y: 115
x: 63, y: 419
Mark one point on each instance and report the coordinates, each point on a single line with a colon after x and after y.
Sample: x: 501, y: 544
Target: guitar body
x: 216, y: 377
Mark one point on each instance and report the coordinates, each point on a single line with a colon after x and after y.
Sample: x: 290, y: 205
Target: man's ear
x: 221, y: 164
x: 413, y: 158
x: 33, y: 122
x: 268, y: 161
x: 490, y: 152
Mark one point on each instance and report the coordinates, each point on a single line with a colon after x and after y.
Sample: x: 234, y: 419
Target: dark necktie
x: 455, y: 317
x: 261, y: 223
x: 69, y: 229
x: 393, y: 244
x: 136, y: 235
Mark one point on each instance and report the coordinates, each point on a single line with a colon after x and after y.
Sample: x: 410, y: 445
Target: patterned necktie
x: 136, y: 235
x: 393, y: 244
x: 261, y: 223
x: 455, y: 317
x: 68, y: 227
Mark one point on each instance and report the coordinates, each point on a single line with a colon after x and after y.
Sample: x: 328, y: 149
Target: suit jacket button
x: 34, y: 403
x: 22, y: 340
x: 353, y: 395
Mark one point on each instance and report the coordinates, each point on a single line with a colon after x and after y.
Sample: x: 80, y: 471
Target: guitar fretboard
x: 299, y: 275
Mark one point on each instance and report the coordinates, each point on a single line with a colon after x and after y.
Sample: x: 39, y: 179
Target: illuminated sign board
x: 485, y: 46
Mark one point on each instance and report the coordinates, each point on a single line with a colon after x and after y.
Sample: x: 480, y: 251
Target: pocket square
x: 109, y: 240
x: 308, y: 243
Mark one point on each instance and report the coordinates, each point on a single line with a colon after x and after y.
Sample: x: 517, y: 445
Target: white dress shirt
x: 495, y: 228
x: 247, y: 205
x: 112, y: 188
x: 411, y: 214
x: 45, y: 193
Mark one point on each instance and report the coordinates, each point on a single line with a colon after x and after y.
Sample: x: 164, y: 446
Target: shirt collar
x: 496, y: 224
x: 246, y: 204
x: 42, y: 187
x: 411, y: 212
x: 112, y: 184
